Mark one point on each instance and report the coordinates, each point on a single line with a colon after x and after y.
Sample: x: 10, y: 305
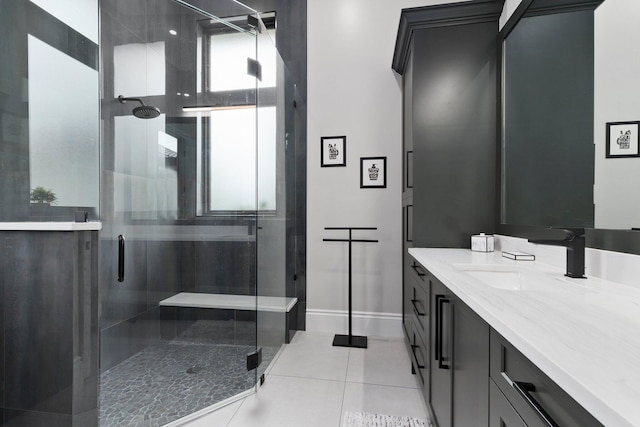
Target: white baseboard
x: 364, y: 323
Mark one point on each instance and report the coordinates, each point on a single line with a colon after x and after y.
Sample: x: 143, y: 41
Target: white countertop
x: 583, y: 333
x: 50, y: 226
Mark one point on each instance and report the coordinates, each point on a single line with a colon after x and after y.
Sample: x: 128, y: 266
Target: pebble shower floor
x: 172, y: 379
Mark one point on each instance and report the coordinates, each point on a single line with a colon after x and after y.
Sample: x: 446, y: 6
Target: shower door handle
x: 120, y: 258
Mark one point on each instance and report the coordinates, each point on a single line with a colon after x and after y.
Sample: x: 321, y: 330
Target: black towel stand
x: 350, y: 340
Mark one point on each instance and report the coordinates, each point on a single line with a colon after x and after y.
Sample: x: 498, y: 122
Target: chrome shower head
x: 143, y: 111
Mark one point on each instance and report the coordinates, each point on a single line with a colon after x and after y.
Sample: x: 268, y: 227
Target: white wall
x: 617, y: 99
x: 353, y: 91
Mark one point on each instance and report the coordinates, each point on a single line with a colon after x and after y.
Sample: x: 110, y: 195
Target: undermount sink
x: 502, y: 277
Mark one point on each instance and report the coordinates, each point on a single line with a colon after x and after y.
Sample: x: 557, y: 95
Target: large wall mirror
x: 568, y: 103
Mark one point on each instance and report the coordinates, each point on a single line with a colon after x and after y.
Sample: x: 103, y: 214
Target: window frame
x: 231, y: 99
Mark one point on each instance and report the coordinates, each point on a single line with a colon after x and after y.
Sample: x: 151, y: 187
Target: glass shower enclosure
x: 169, y: 126
x: 193, y: 296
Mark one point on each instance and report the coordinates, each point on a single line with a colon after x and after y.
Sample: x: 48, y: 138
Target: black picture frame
x: 373, y: 172
x: 623, y: 140
x: 333, y: 151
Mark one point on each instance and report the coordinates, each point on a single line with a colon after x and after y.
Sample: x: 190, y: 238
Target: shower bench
x: 268, y: 304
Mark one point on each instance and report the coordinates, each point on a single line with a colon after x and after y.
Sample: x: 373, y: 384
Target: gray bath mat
x: 363, y: 419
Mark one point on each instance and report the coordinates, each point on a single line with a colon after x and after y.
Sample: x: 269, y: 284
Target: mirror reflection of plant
x: 42, y: 195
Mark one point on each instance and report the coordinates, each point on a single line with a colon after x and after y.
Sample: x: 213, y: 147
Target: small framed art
x: 333, y: 151
x: 622, y: 139
x: 373, y: 172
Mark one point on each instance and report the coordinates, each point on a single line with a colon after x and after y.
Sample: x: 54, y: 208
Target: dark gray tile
x: 49, y: 287
x: 39, y: 322
x: 225, y: 267
x: 130, y: 14
x: 16, y: 418
x: 125, y: 339
x: 163, y: 270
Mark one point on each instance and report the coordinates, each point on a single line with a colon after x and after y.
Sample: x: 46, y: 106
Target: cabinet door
x: 441, y: 354
x: 501, y: 413
x: 407, y: 129
x: 407, y: 294
x: 470, y: 368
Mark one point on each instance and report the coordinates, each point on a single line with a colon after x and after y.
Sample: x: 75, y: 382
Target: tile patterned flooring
x: 172, y: 379
x: 312, y: 383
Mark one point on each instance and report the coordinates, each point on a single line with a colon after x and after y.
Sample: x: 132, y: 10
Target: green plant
x: 41, y: 195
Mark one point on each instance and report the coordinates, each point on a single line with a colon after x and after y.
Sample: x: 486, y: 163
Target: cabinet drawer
x: 419, y: 273
x: 419, y: 357
x: 539, y: 401
x: 501, y: 413
x: 420, y: 309
x: 408, y: 328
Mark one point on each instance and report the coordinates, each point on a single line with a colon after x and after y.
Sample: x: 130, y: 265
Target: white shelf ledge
x: 50, y: 226
x: 231, y: 302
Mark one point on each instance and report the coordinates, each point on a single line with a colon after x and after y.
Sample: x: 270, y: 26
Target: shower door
x: 179, y: 207
x: 276, y: 219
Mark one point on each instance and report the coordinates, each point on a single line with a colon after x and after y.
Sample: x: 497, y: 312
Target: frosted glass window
x: 228, y: 63
x: 139, y: 69
x: 63, y: 126
x: 232, y: 162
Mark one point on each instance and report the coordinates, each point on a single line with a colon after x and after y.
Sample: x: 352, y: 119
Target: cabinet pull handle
x: 415, y: 356
x: 440, y: 331
x: 121, y: 258
x: 525, y: 389
x: 417, y: 269
x: 416, y: 309
x: 436, y: 348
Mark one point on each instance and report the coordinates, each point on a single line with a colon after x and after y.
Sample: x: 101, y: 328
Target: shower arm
x: 123, y: 100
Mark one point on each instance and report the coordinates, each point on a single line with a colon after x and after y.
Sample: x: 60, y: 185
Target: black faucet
x: 574, y: 242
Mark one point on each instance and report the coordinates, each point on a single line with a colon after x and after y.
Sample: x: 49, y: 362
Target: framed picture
x: 622, y: 139
x: 333, y: 151
x: 373, y: 172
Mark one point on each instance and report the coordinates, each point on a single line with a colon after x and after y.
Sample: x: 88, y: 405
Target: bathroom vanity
x: 499, y: 342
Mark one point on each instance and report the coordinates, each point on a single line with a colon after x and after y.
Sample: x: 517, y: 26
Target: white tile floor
x: 313, y: 383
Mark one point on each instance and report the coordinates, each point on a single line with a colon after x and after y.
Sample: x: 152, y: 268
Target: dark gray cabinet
x: 470, y: 367
x: 472, y: 376
x: 416, y: 322
x: 538, y: 400
x: 501, y: 412
x: 441, y: 380
x: 448, y: 58
x: 460, y: 361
